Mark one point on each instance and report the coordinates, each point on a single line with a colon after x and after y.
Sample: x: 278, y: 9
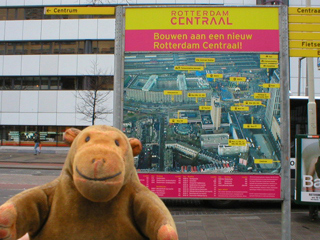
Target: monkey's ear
x: 136, y: 146
x: 70, y: 134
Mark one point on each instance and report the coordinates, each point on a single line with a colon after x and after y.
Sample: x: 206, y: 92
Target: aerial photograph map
x: 204, y: 112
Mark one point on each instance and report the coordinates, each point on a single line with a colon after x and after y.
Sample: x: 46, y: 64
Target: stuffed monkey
x: 98, y: 196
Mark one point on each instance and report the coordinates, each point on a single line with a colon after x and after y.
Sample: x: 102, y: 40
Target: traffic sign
x: 304, y: 35
x: 304, y: 44
x: 304, y: 27
x: 304, y: 53
x: 304, y: 19
x: 304, y: 32
x: 79, y: 10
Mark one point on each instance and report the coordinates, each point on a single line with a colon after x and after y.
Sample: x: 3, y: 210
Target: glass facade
x: 50, y: 136
x: 50, y: 83
x: 57, y: 47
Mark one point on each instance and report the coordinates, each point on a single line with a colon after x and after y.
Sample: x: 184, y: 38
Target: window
x: 57, y: 47
x: 51, y: 83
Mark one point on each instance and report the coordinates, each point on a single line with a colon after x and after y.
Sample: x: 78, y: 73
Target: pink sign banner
x: 202, y: 40
x: 213, y: 186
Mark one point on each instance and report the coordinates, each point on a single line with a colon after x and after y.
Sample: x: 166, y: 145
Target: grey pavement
x: 195, y: 223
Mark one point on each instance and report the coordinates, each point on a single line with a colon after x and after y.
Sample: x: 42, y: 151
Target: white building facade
x: 46, y: 60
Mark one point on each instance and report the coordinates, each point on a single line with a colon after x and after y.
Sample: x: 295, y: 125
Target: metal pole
x: 312, y: 108
x: 285, y: 119
x: 299, y: 75
x: 118, y: 71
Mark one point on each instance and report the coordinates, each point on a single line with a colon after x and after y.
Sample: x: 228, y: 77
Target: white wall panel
x: 106, y: 29
x: 66, y: 102
x: 80, y: 121
x: 229, y: 2
x: 12, y: 65
x: 107, y: 121
x: 49, y: 64
x: 28, y: 119
x: 88, y: 28
x: 70, y: 2
x: 51, y: 2
x: 295, y: 3
x: 1, y: 64
x: 29, y: 101
x: 69, y: 29
x: 47, y: 119
x: 50, y: 29
x: 33, y: 2
x: 146, y: 1
x: 67, y: 64
x: 32, y: 30
x: 86, y: 64
x: 16, y: 2
x: 10, y: 101
x: 10, y: 118
x: 30, y: 65
x: 66, y: 119
x: 166, y: 1
x: 0, y: 101
x: 48, y: 101
x: 315, y: 3
x: 202, y: 1
x: 106, y: 63
x: 185, y: 1
x: 3, y: 2
x: 249, y: 2
x: 13, y: 30
x: 2, y: 28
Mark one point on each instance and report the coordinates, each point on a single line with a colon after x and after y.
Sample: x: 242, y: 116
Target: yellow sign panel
x: 188, y: 68
x: 178, y: 120
x: 269, y: 61
x: 205, y: 59
x: 261, y: 95
x: 304, y: 53
x: 268, y: 65
x: 213, y: 75
x: 303, y: 11
x: 252, y: 126
x: 304, y: 19
x: 237, y: 79
x: 205, y: 108
x: 237, y: 142
x: 79, y: 11
x: 200, y: 95
x: 304, y: 35
x: 168, y: 92
x: 269, y: 56
x: 271, y: 85
x: 263, y: 161
x: 304, y: 44
x: 252, y: 103
x: 235, y: 108
x: 304, y: 27
x: 202, y: 18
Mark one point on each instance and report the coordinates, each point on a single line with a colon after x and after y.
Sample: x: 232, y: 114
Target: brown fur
x: 98, y: 196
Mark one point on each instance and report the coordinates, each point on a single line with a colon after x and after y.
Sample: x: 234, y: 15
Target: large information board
x: 201, y: 90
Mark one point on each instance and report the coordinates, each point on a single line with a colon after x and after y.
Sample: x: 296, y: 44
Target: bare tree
x: 92, y: 102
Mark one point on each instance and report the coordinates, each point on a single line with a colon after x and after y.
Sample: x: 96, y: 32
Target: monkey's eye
x: 117, y: 143
x: 87, y: 139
